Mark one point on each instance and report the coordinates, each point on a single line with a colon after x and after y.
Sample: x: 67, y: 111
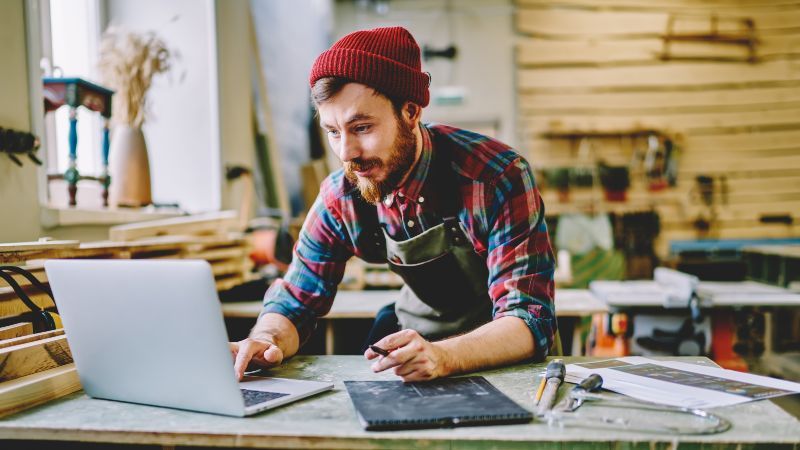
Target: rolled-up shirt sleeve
x: 520, y: 257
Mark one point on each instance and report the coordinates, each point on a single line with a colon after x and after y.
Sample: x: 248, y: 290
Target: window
x: 70, y: 42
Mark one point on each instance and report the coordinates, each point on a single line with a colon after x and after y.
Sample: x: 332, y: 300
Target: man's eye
x: 333, y: 133
x: 362, y: 128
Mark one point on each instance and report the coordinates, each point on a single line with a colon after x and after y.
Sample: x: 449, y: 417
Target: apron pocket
x: 439, y: 283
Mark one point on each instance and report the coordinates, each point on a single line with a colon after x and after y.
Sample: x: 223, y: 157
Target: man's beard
x: 399, y: 163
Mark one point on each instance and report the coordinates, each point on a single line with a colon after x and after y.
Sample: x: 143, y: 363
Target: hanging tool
x: 588, y: 389
x: 554, y: 376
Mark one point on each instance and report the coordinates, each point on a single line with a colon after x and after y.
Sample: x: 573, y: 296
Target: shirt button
x: 410, y: 224
x: 400, y: 194
x: 421, y: 199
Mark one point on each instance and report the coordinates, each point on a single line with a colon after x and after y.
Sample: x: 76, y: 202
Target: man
x: 456, y: 214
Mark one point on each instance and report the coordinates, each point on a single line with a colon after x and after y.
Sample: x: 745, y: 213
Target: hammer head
x: 555, y: 369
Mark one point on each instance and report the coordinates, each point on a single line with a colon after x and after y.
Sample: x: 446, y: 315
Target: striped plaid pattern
x: 499, y: 206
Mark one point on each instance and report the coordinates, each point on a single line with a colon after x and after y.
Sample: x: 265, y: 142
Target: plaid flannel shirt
x: 501, y: 210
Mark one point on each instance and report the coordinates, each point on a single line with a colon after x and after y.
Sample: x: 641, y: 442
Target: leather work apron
x: 446, y: 281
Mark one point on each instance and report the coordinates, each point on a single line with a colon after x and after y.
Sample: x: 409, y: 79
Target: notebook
x: 448, y: 402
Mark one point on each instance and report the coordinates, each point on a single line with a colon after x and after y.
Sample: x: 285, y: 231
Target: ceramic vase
x: 129, y: 168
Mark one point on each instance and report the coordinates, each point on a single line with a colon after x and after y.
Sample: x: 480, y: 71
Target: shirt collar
x: 412, y: 187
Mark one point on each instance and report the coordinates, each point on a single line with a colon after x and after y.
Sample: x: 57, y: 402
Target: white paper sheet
x: 680, y: 384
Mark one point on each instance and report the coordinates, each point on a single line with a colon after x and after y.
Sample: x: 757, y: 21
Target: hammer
x: 555, y: 376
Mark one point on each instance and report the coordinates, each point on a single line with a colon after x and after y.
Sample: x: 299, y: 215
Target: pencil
x: 540, y: 390
x: 379, y: 350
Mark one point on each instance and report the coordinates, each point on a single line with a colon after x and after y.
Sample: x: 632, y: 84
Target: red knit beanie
x: 385, y: 59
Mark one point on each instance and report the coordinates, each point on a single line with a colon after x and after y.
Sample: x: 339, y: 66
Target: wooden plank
x: 37, y: 246
x: 735, y: 6
x: 15, y: 331
x: 227, y: 282
x: 744, y: 194
x: 760, y: 184
x: 764, y: 231
x: 30, y: 338
x: 219, y: 242
x: 23, y: 257
x: 32, y: 390
x: 227, y: 267
x: 710, y: 154
x: 10, y: 305
x: 711, y: 100
x: 199, y: 224
x: 539, y: 22
x: 733, y: 170
x: 32, y: 357
x: 781, y: 163
x: 562, y: 22
x: 746, y: 200
x: 658, y: 75
x: 728, y: 225
x: 687, y: 160
x: 746, y: 141
x: 218, y: 254
x: 591, y: 51
x: 744, y: 211
x: 674, y: 208
x: 7, y: 292
x: 684, y: 123
x: 189, y: 242
x: 35, y: 269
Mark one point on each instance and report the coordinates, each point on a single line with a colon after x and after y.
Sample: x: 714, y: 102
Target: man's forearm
x: 503, y: 341
x: 279, y: 330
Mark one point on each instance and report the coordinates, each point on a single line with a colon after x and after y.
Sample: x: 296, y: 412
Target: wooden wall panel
x: 599, y: 66
x: 597, y: 52
x: 659, y: 75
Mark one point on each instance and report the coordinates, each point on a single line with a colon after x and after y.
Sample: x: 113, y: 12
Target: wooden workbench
x: 329, y: 421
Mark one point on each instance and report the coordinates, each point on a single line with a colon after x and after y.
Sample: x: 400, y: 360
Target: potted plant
x: 558, y: 178
x: 128, y: 62
x: 615, y: 181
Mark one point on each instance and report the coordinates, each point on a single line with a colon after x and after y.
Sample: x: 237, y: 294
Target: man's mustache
x: 362, y: 165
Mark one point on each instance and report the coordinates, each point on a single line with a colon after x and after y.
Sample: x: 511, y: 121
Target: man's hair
x: 327, y: 88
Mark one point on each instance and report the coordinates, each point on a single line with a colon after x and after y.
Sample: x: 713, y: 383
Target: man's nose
x: 349, y: 148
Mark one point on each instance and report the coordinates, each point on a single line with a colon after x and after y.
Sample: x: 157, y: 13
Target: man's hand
x: 412, y: 357
x: 260, y: 351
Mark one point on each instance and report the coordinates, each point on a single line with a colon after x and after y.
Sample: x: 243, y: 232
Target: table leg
x: 329, y: 332
x: 577, y: 344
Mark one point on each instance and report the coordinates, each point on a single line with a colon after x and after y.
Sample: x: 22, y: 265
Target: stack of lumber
x: 215, y: 237
x: 35, y: 368
x: 720, y: 78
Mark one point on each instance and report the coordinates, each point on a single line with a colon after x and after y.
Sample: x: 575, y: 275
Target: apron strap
x: 371, y: 240
x: 447, y: 184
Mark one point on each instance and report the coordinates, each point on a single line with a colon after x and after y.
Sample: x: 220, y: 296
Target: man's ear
x: 412, y: 112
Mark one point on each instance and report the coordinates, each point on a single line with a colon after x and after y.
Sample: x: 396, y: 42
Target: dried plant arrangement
x: 128, y: 62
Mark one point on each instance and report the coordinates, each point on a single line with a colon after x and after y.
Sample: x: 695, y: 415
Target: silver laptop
x: 152, y: 332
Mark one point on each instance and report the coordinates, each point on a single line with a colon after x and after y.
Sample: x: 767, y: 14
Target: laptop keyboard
x: 255, y: 397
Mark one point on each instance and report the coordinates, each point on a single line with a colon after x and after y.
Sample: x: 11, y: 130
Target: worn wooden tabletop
x: 329, y: 421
